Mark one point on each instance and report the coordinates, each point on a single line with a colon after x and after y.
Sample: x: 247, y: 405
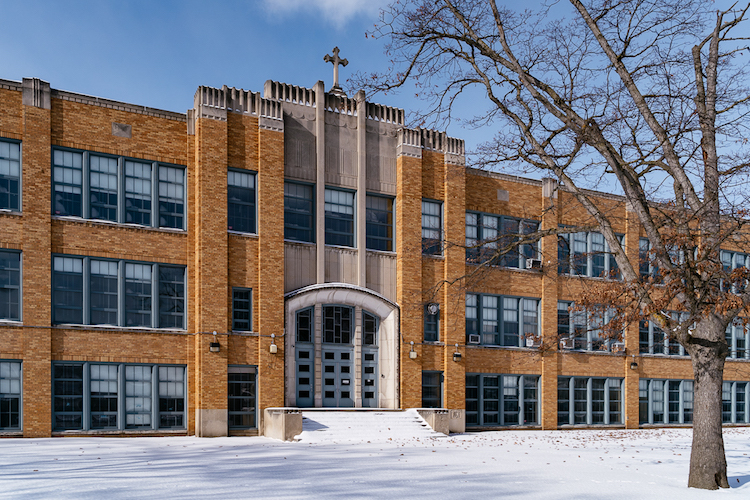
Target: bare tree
x: 644, y: 96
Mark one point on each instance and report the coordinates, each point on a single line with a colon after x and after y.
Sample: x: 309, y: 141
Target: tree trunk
x: 708, y: 464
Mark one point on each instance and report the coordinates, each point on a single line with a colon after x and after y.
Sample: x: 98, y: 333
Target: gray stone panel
x: 299, y: 148
x: 299, y: 265
x: 381, y: 274
x: 341, y: 265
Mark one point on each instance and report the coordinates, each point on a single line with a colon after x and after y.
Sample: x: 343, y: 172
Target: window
x: 369, y: 329
x: 665, y: 401
x: 305, y: 325
x: 498, y: 400
x: 337, y: 324
x: 10, y: 175
x: 734, y: 397
x: 589, y: 401
x: 241, y: 392
x: 111, y: 292
x: 486, y: 234
x: 731, y: 261
x: 339, y: 217
x: 298, y: 212
x: 583, y: 328
x: 241, y: 201
x: 117, y: 189
x: 242, y: 312
x: 432, y: 389
x: 379, y: 223
x: 10, y: 285
x: 10, y: 395
x: 586, y: 254
x: 432, y: 227
x: 737, y: 339
x: 117, y: 396
x: 652, y: 340
x: 500, y: 320
x: 431, y: 323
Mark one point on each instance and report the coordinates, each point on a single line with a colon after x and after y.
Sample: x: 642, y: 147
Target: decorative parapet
x: 210, y: 102
x: 277, y: 91
x: 386, y: 114
x: 409, y: 143
x: 11, y: 85
x: 455, y: 152
x: 36, y: 93
x: 341, y: 105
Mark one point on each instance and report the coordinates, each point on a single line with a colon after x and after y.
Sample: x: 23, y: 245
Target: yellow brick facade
x: 238, y: 130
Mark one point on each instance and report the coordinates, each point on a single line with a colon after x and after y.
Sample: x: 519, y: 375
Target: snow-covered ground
x: 369, y: 463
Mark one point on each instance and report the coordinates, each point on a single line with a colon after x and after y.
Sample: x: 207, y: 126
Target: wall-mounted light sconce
x: 412, y: 352
x: 633, y: 364
x: 273, y: 347
x: 214, y: 346
x: 456, y: 355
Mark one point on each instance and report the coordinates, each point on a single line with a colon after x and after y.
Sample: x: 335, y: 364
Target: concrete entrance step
x: 371, y: 425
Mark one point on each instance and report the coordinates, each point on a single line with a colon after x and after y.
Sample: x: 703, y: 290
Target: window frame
x: 11, y: 178
x: 86, y: 412
x: 253, y: 412
x: 648, y: 343
x: 649, y: 396
x: 502, y: 321
x: 577, y: 407
x: 249, y: 310
x: 338, y: 218
x: 252, y: 205
x: 432, y: 246
x: 154, y: 289
x: 480, y: 407
x: 589, y: 322
x: 289, y: 211
x: 480, y: 251
x: 157, y: 179
x: 19, y: 288
x: 7, y: 394
x: 431, y: 325
x: 439, y: 386
x: 572, y: 262
x: 372, y: 239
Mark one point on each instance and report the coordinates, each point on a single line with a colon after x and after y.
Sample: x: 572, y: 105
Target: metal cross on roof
x: 336, y: 60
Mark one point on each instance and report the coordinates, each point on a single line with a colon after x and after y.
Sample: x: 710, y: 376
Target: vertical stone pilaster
x: 37, y: 260
x: 453, y: 324
x: 548, y: 323
x: 409, y: 268
x: 210, y: 267
x: 361, y: 189
x: 632, y: 377
x: 270, y: 295
x: 320, y: 180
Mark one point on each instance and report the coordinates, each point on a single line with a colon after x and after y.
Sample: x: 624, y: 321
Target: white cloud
x: 336, y: 12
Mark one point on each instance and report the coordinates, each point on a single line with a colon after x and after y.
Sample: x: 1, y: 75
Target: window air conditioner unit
x: 473, y: 339
x: 533, y: 263
x: 618, y: 347
x: 567, y: 343
x: 532, y: 342
x: 433, y: 308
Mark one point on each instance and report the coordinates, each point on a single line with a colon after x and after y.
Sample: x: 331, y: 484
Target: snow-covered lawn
x: 509, y: 464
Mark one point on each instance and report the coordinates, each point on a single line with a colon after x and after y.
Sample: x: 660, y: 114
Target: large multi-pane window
x: 117, y: 396
x: 734, y: 398
x: 432, y: 227
x: 500, y: 320
x: 586, y: 254
x: 337, y: 324
x: 497, y: 400
x: 379, y: 223
x: 653, y: 340
x: 93, y: 291
x: 10, y: 285
x: 10, y: 175
x: 10, y: 395
x: 241, y: 201
x: 581, y: 329
x: 339, y: 217
x: 117, y: 189
x: 242, y: 309
x: 665, y: 401
x: 589, y: 401
x: 299, y: 212
x: 486, y: 234
x: 432, y: 389
x: 731, y: 261
x: 242, y: 412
